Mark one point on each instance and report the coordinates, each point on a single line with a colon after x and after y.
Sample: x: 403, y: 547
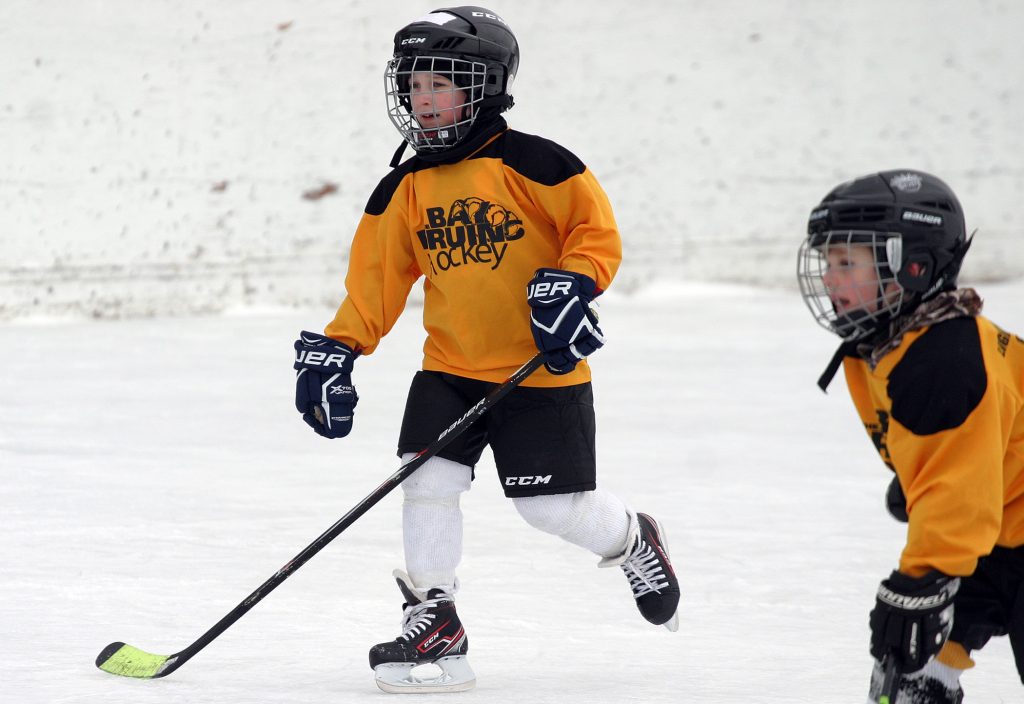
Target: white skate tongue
x: 410, y: 593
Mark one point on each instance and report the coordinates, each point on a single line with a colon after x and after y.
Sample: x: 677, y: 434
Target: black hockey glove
x: 896, y: 501
x: 564, y: 325
x: 912, y: 618
x: 324, y: 394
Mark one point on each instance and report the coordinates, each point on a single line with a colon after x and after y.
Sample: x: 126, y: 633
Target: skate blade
x: 673, y: 623
x: 450, y: 674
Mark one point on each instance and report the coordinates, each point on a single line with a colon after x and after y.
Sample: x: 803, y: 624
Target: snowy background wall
x: 170, y: 156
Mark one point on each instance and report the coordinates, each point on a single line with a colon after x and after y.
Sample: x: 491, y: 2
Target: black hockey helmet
x: 915, y: 225
x: 470, y: 45
x: 921, y: 208
x: 470, y: 33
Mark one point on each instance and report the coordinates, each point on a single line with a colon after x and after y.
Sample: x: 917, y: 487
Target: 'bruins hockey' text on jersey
x: 945, y: 410
x: 477, y: 229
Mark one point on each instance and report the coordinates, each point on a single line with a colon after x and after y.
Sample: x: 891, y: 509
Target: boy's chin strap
x: 397, y: 158
x: 846, y: 349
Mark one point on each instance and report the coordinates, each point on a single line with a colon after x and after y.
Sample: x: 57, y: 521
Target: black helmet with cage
x: 477, y: 54
x: 913, y: 225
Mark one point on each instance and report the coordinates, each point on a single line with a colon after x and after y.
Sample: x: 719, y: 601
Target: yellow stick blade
x: 124, y: 660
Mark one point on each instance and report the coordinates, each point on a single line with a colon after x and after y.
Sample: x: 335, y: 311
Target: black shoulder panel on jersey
x: 538, y: 159
x: 381, y: 195
x: 941, y: 379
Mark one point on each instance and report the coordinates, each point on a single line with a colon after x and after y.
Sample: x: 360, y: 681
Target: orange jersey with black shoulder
x: 477, y: 230
x: 945, y: 410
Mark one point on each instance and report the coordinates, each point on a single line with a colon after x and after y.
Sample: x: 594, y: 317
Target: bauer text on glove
x: 564, y: 325
x: 324, y: 394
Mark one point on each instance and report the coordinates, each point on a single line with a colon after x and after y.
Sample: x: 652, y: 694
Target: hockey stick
x: 128, y: 661
x: 890, y: 681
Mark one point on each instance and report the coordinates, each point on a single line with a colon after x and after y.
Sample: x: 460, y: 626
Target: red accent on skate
x: 668, y: 563
x: 454, y: 641
x: 656, y: 534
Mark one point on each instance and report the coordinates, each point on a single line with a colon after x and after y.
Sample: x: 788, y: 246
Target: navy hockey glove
x: 912, y: 618
x: 564, y: 326
x: 324, y: 394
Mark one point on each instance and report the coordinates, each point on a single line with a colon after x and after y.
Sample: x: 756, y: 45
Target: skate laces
x: 644, y: 571
x: 417, y: 618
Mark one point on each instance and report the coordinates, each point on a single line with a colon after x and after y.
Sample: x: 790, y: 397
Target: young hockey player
x: 940, y: 390
x: 515, y: 238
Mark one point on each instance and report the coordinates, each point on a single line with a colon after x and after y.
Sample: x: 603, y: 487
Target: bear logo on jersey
x: 470, y: 231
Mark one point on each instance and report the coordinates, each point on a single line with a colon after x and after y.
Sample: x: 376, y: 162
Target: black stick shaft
x: 890, y: 681
x: 453, y: 431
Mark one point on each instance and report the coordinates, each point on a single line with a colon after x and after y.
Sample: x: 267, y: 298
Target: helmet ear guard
x: 916, y: 270
x: 928, y: 272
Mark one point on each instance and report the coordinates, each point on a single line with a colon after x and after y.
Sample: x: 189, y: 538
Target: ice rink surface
x: 155, y: 473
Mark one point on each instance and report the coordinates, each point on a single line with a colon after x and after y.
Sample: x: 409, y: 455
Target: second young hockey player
x: 515, y: 238
x: 940, y: 390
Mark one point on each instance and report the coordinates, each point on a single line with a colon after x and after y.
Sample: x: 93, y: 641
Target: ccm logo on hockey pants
x: 527, y: 481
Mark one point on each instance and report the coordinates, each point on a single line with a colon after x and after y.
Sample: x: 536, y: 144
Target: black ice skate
x: 649, y: 570
x: 433, y: 637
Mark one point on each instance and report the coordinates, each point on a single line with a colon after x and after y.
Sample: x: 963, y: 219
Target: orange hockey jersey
x: 945, y: 410
x: 477, y: 230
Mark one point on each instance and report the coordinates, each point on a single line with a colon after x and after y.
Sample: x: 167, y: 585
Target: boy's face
x: 846, y: 289
x: 436, y: 101
x: 851, y: 278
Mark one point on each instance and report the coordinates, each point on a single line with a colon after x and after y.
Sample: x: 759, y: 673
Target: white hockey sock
x: 432, y: 521
x: 595, y: 520
x: 948, y: 676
